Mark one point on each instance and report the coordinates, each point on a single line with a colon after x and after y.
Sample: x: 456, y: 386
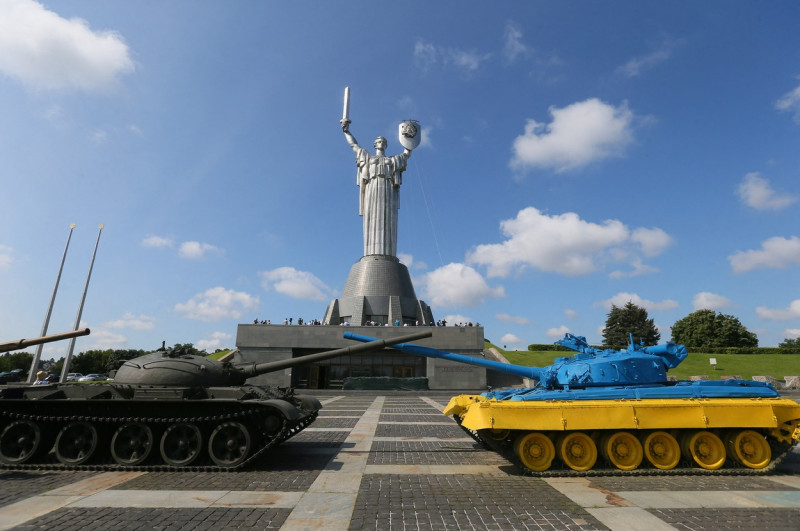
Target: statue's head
x: 380, y: 143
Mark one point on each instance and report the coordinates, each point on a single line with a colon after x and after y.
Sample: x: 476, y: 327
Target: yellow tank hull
x: 630, y: 433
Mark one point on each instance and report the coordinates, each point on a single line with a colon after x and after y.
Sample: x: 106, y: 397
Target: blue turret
x: 635, y: 372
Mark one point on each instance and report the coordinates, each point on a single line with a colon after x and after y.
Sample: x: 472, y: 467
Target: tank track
x: 779, y: 452
x: 282, y: 435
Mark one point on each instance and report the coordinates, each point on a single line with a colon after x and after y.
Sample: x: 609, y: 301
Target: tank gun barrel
x: 590, y: 367
x: 533, y: 373
x: 25, y: 343
x: 374, y: 344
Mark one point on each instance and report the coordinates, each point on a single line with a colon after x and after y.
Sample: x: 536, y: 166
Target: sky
x: 575, y: 155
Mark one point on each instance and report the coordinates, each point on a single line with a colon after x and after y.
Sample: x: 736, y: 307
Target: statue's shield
x: 409, y: 134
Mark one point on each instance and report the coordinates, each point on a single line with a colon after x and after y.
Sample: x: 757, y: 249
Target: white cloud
x: 792, y: 312
x: 638, y: 268
x: 557, y: 333
x: 792, y: 333
x: 515, y: 319
x: 570, y: 314
x: 428, y: 55
x: 563, y: 244
x: 105, y: 339
x: 157, y: 241
x: 216, y: 341
x: 406, y: 259
x: 790, y: 102
x: 100, y: 137
x: 455, y: 319
x: 635, y: 66
x: 621, y: 299
x: 190, y: 250
x: 458, y: 285
x: 756, y: 192
x: 216, y: 304
x: 295, y: 284
x: 775, y: 253
x: 134, y: 322
x: 510, y: 339
x: 196, y: 250
x: 426, y: 140
x: 6, y: 256
x: 710, y: 301
x: 653, y: 241
x: 46, y: 51
x: 579, y: 134
x: 513, y: 46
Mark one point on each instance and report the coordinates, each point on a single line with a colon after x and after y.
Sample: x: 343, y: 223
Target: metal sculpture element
x: 379, y: 179
x: 167, y: 409
x: 619, y: 405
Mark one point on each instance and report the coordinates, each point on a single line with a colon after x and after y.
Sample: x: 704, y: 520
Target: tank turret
x: 177, y: 368
x: 620, y: 405
x: 164, y: 410
x: 25, y: 343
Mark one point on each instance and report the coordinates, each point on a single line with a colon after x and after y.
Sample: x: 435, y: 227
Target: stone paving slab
x: 690, y: 483
x: 18, y: 486
x: 436, y: 453
x: 460, y: 502
x: 732, y: 518
x: 391, y: 461
x: 161, y: 519
x: 443, y: 431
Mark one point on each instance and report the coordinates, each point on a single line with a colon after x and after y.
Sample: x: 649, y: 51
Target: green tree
x: 188, y: 348
x: 90, y: 362
x: 626, y: 320
x: 707, y: 328
x: 790, y: 343
x: 16, y: 360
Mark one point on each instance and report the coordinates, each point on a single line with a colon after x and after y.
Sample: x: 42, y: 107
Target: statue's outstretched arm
x: 346, y: 130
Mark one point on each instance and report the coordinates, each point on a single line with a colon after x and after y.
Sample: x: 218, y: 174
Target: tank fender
x: 288, y: 409
x: 309, y: 402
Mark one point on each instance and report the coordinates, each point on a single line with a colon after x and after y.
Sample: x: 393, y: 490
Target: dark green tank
x: 164, y: 410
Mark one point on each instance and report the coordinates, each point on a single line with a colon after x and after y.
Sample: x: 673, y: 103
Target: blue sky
x: 575, y: 155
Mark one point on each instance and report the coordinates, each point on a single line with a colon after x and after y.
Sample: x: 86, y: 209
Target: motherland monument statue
x: 379, y: 178
x: 379, y: 288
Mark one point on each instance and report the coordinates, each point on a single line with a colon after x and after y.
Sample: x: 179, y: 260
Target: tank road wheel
x: 181, y: 444
x: 623, y: 450
x: 705, y: 449
x: 76, y: 443
x: 577, y: 450
x: 662, y: 450
x: 495, y: 435
x: 20, y: 441
x: 271, y: 424
x: 749, y: 448
x: 132, y: 443
x: 229, y: 444
x: 535, y: 450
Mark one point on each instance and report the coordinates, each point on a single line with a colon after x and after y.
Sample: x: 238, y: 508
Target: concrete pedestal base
x: 378, y: 290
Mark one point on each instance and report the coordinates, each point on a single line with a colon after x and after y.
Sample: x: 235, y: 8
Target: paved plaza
x: 391, y: 461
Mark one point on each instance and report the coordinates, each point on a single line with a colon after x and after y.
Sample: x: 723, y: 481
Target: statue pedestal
x: 378, y: 290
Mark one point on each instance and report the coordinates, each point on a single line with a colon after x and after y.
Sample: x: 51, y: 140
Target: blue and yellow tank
x: 616, y: 410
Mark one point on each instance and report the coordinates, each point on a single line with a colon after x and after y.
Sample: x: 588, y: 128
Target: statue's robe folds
x: 380, y: 178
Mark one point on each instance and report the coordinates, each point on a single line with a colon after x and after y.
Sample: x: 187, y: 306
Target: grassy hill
x: 220, y: 354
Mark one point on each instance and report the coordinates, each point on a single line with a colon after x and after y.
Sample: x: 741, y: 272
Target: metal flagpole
x: 37, y: 356
x: 65, y: 370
